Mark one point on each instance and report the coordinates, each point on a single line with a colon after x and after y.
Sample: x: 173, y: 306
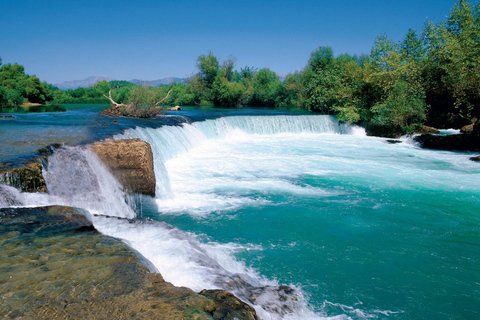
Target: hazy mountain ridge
x: 159, y: 82
x: 90, y: 81
x: 85, y: 83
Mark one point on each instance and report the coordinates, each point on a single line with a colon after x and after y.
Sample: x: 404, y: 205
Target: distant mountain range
x: 90, y: 81
x: 156, y: 83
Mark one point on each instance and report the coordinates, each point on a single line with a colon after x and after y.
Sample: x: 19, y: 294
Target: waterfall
x: 10, y: 196
x: 168, y: 142
x: 76, y: 177
x: 270, y: 125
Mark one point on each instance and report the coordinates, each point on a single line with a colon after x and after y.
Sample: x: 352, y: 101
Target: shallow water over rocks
x: 55, y: 265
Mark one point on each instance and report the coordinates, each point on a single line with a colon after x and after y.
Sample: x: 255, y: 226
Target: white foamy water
x: 185, y: 261
x: 10, y: 197
x: 216, y: 168
x: 76, y: 177
x: 450, y: 131
x: 170, y: 142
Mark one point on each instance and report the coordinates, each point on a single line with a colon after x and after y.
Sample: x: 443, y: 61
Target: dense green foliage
x: 92, y: 94
x: 16, y: 87
x: 432, y: 77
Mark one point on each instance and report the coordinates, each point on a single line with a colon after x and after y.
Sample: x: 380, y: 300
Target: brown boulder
x: 229, y: 307
x: 428, y: 130
x: 477, y: 158
x: 131, y: 162
x: 468, y: 129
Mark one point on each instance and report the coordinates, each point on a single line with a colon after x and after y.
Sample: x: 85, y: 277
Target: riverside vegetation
x: 432, y: 77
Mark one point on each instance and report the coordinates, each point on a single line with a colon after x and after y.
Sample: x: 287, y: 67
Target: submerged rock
x: 131, y: 162
x: 54, y: 265
x: 40, y: 219
x: 393, y: 141
x: 28, y: 177
x: 229, y: 307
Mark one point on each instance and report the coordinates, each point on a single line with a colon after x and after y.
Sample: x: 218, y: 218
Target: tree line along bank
x: 430, y: 77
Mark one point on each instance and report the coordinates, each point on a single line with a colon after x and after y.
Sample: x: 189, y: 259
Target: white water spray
x: 76, y: 177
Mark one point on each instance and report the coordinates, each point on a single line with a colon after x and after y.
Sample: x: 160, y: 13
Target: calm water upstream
x: 301, y: 216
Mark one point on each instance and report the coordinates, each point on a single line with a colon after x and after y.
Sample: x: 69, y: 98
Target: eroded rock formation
x: 131, y: 162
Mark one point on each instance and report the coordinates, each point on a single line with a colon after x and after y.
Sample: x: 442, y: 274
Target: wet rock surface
x: 54, y: 265
x: 229, y: 307
x: 428, y: 130
x: 393, y: 141
x: 131, y: 162
x: 28, y: 177
x: 462, y: 142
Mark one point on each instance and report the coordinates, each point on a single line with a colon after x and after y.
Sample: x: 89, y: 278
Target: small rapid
x: 300, y: 216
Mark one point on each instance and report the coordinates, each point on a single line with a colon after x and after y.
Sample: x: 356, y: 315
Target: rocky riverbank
x: 55, y: 265
x: 469, y: 140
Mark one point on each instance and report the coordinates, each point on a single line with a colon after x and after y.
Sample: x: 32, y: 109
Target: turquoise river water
x: 300, y: 216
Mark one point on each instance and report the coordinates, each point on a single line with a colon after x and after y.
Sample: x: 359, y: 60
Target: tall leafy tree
x: 320, y: 80
x: 208, y: 67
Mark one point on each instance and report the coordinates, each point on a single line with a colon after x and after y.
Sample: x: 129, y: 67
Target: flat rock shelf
x: 55, y: 265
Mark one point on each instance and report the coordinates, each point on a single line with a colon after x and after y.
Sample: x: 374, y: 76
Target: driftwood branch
x: 156, y: 104
x: 112, y: 101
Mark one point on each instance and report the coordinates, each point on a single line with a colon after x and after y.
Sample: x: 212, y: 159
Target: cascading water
x: 76, y: 177
x: 170, y: 141
x: 357, y: 227
x: 190, y: 262
x: 10, y: 196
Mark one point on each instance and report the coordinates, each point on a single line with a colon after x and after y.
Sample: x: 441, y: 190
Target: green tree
x: 402, y: 110
x: 20, y: 87
x: 461, y: 58
x: 208, y: 67
x: 452, y: 73
x: 265, y: 86
x: 320, y: 81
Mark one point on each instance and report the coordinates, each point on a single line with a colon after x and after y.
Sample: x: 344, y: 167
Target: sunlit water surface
x: 356, y: 227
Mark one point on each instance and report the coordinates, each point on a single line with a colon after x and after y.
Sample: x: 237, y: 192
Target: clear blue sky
x: 61, y: 40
